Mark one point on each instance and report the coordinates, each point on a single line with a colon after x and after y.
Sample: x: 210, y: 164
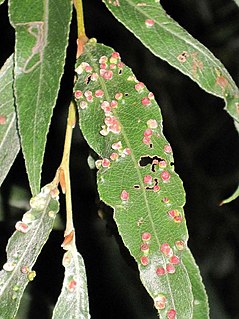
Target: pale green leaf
x: 42, y: 33
x: 1, y: 1
x: 121, y: 121
x: 200, y: 306
x: 23, y: 248
x: 237, y: 2
x: 73, y: 301
x: 9, y: 140
x: 231, y: 198
x: 168, y: 40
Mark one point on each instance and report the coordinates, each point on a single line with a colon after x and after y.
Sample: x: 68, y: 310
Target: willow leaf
x: 148, y: 21
x: 232, y: 197
x: 122, y: 122
x: 42, y: 33
x: 200, y: 306
x: 9, y: 140
x: 73, y: 301
x: 23, y: 249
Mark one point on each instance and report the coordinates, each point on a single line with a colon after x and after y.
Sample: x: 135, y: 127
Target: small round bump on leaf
x: 149, y: 23
x: 170, y: 269
x: 152, y: 123
x: 180, y: 245
x: 144, y: 260
x: 174, y: 260
x: 171, y: 314
x: 148, y: 132
x: 78, y: 94
x: 167, y: 149
x: 145, y: 101
x: 139, y: 86
x: 124, y: 195
x: 165, y: 176
x: 22, y: 227
x: 114, y: 156
x: 146, y: 236
x: 105, y: 162
x: 160, y: 302
x: 117, y: 145
x: 160, y: 271
x: 148, y: 179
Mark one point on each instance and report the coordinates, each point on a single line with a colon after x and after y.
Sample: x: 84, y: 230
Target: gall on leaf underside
x: 23, y: 248
x: 122, y: 122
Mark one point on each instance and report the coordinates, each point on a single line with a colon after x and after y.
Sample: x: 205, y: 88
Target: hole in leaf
x: 120, y: 72
x: 126, y: 94
x: 148, y: 160
x: 88, y: 79
x: 136, y: 187
x: 152, y: 188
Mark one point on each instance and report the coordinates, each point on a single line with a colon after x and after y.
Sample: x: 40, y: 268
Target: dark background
x: 206, y: 152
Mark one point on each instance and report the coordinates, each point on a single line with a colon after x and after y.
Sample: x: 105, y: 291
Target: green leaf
x: 1, y: 1
x: 168, y: 40
x: 42, y: 33
x: 200, y: 307
x: 23, y: 249
x: 9, y: 140
x: 73, y: 300
x: 121, y: 121
x: 231, y: 198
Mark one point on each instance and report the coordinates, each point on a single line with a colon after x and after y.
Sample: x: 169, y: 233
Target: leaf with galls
x: 23, y: 248
x: 166, y: 39
x: 136, y: 175
x: 73, y: 301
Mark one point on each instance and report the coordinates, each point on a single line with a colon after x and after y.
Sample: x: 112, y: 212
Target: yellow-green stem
x: 65, y: 170
x: 80, y: 19
x: 82, y: 38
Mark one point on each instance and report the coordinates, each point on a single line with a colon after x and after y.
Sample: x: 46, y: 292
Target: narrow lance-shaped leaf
x: 73, y: 301
x: 24, y: 247
x: 168, y: 40
x: 200, y: 307
x: 9, y: 140
x: 122, y: 122
x: 232, y: 197
x: 41, y: 39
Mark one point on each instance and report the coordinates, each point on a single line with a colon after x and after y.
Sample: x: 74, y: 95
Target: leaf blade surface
x: 9, y: 140
x: 23, y: 248
x: 73, y: 301
x: 166, y: 39
x: 41, y: 39
x: 121, y: 121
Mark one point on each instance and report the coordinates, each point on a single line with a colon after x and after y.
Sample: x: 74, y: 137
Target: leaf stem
x: 80, y: 18
x: 82, y: 38
x: 64, y: 174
